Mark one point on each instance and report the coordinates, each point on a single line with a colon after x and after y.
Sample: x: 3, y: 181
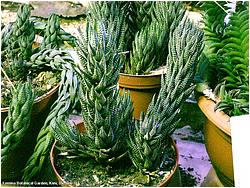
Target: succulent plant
x: 235, y: 68
x: 18, y: 44
x: 143, y: 57
x: 113, y: 15
x: 22, y: 36
x: 214, y: 24
x: 18, y: 39
x: 5, y: 35
x: 139, y: 14
x: 227, y: 57
x: 161, y: 118
x: 18, y: 120
x: 62, y: 107
x: 169, y: 13
x: 106, y: 115
x: 19, y: 60
x: 48, y: 59
x: 52, y: 38
x: 150, y: 45
x: 110, y: 132
x: 145, y: 35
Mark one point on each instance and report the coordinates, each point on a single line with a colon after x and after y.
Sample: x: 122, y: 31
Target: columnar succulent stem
x: 65, y: 103
x: 150, y: 42
x: 22, y: 36
x: 17, y: 123
x: 161, y: 118
x: 107, y: 115
x: 52, y: 38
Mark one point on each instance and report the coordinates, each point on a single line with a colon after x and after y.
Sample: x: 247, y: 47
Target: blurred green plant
x: 225, y: 63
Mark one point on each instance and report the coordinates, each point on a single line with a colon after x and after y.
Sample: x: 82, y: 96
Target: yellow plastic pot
x: 217, y: 133
x: 142, y: 89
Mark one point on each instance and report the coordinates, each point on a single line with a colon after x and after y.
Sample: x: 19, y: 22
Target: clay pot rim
x: 38, y: 99
x: 174, y: 169
x: 140, y: 82
x: 142, y: 75
x: 51, y: 156
x: 162, y: 184
x: 219, y: 118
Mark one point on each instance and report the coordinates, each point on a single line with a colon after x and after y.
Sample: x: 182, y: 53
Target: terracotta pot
x: 142, y: 89
x: 173, y: 180
x: 12, y: 168
x: 40, y: 104
x: 217, y: 133
x: 60, y: 180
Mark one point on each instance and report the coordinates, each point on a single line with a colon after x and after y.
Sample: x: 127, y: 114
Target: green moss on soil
x: 42, y: 83
x: 83, y: 172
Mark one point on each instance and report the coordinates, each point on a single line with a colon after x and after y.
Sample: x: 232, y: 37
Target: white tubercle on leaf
x: 209, y: 94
